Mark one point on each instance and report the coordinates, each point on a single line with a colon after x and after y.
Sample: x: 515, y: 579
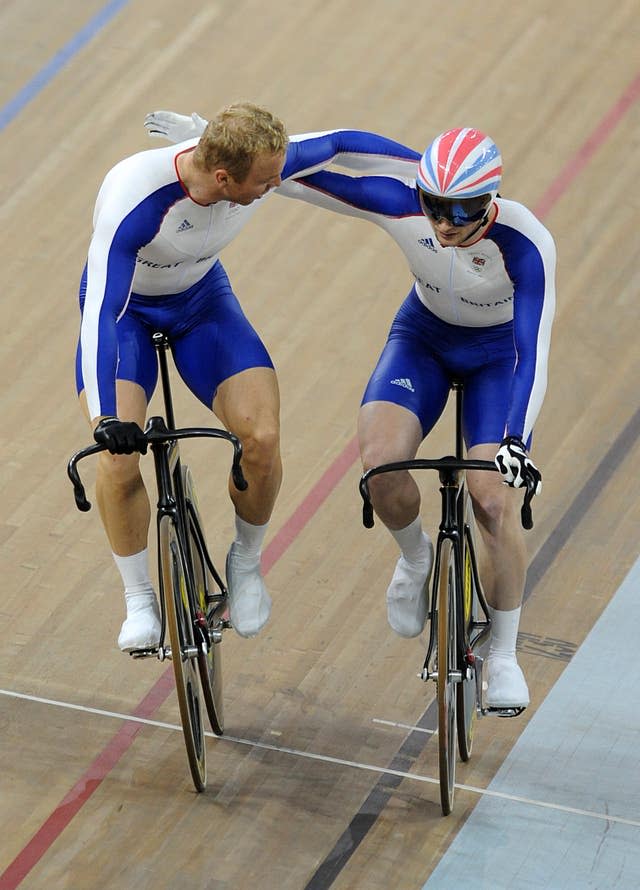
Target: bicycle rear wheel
x: 446, y: 683
x: 183, y: 649
x: 466, y: 691
x: 208, y: 614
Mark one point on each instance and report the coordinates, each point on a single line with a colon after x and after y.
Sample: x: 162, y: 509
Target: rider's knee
x: 387, y: 490
x: 261, y: 446
x: 377, y: 451
x: 382, y: 487
x: 492, y: 507
x: 119, y: 470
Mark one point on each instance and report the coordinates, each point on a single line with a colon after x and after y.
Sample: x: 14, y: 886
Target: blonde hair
x: 236, y: 136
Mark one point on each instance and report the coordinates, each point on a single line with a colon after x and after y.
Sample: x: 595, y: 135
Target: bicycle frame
x: 163, y: 441
x: 456, y: 628
x: 455, y: 528
x: 172, y: 500
x: 451, y: 471
x: 190, y: 612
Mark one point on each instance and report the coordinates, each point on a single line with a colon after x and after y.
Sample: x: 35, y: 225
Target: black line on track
x: 415, y: 743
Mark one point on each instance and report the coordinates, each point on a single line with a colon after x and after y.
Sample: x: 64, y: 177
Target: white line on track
x: 414, y: 777
x: 404, y: 726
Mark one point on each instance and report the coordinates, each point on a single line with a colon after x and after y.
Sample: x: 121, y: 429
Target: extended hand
x: 174, y: 127
x: 516, y: 466
x: 120, y: 436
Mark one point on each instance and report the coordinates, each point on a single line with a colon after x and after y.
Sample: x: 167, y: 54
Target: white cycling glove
x: 516, y: 466
x: 174, y: 127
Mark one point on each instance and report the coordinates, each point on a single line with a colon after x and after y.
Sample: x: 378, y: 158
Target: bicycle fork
x: 449, y: 492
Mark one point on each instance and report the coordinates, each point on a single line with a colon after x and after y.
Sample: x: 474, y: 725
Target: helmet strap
x: 483, y: 222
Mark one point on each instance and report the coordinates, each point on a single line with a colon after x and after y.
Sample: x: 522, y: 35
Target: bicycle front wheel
x: 183, y: 648
x: 209, y: 621
x: 446, y: 682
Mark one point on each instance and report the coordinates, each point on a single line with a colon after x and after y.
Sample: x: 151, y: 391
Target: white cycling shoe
x: 408, y: 595
x: 141, y: 628
x: 506, y: 685
x: 249, y: 601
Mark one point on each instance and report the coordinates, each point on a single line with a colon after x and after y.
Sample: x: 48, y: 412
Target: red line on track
x: 91, y: 780
x: 582, y: 157
x: 124, y: 738
x: 51, y: 829
x: 310, y: 505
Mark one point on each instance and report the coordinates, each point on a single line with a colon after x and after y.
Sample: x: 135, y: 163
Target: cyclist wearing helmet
x: 480, y: 309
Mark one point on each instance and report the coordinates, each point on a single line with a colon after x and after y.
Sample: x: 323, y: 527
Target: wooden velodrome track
x: 90, y: 800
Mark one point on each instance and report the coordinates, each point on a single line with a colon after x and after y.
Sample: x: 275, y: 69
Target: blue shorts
x: 422, y: 356
x: 211, y: 338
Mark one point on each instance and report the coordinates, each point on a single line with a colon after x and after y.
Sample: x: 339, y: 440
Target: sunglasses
x: 460, y: 212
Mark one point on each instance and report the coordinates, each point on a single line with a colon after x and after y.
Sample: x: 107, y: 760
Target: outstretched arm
x: 356, y: 150
x: 375, y: 198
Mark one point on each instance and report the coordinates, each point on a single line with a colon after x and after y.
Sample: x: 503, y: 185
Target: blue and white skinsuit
x: 482, y: 313
x: 153, y: 264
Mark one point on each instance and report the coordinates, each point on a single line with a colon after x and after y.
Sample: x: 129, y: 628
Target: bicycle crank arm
x: 164, y: 653
x: 456, y: 676
x: 145, y: 653
x: 479, y: 664
x: 502, y: 712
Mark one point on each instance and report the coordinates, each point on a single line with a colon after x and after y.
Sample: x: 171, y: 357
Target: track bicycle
x: 458, y: 612
x: 193, y: 596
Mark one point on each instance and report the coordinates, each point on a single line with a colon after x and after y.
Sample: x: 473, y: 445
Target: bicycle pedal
x: 480, y: 681
x: 504, y: 712
x: 144, y: 653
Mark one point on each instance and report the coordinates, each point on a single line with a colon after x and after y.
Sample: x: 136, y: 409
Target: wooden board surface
x: 557, y: 87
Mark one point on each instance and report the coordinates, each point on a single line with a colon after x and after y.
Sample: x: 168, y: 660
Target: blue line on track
x: 37, y: 83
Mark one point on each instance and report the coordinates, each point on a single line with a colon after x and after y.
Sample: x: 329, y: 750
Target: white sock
x: 134, y: 571
x: 250, y: 537
x: 410, y: 540
x: 504, y: 631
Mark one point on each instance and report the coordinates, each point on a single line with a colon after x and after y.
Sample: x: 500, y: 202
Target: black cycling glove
x: 120, y: 436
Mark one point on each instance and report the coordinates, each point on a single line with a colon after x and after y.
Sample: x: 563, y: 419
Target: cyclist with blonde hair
x: 161, y: 220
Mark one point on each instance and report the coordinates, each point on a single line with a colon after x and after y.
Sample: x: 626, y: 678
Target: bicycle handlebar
x: 443, y: 464
x: 156, y: 432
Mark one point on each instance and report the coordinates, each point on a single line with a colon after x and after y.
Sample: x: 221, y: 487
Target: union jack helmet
x: 461, y: 163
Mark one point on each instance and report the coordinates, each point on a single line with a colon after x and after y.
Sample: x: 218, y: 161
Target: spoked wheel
x: 446, y: 682
x: 183, y: 649
x: 210, y: 625
x: 466, y: 691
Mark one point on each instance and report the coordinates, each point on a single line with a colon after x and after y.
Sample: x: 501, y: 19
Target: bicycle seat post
x: 458, y: 387
x: 161, y: 342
